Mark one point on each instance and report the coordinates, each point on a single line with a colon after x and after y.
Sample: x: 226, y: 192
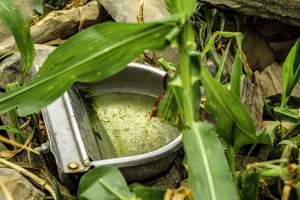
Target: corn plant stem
x: 232, y: 162
x: 27, y: 173
x: 185, y: 75
x: 278, y: 172
x: 13, y: 116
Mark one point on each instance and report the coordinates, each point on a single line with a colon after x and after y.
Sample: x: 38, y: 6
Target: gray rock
x: 128, y: 10
x: 253, y: 99
x: 286, y: 11
x: 17, y: 186
x: 258, y: 53
x: 270, y: 82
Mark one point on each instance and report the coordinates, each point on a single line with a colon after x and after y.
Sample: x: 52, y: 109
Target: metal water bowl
x: 71, y: 137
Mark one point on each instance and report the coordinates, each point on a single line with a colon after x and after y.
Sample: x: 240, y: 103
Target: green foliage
x: 249, y: 185
x: 291, y: 73
x: 91, y: 55
x: 207, y: 166
x: 12, y: 18
x: 179, y: 6
x: 147, y: 193
x: 227, y: 107
x: 234, y: 123
x: 105, y: 183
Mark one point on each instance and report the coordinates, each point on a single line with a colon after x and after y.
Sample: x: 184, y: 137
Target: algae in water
x: 126, y: 119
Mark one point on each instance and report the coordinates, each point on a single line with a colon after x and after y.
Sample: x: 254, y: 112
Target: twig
x: 27, y: 173
x: 26, y: 124
x: 81, y: 18
x: 13, y: 153
x: 140, y: 17
x: 13, y: 143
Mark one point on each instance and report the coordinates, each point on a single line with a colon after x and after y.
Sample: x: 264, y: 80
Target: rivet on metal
x: 73, y: 165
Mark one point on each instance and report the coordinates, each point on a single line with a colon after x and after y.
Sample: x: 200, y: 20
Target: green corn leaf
x: 228, y: 107
x: 11, y: 16
x: 208, y: 169
x: 105, y: 183
x: 92, y: 55
x: 148, y: 193
x: 291, y: 73
x: 180, y: 6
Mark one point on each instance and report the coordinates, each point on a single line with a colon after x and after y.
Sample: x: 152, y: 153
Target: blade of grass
x: 12, y: 18
x: 237, y: 68
x: 291, y: 73
x: 223, y: 62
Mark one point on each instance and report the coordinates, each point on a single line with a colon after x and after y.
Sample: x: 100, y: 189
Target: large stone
x: 253, y: 99
x: 258, y: 53
x: 284, y: 10
x: 17, y: 187
x: 58, y: 24
x: 128, y: 10
x: 26, y: 10
x: 270, y: 82
x: 64, y: 23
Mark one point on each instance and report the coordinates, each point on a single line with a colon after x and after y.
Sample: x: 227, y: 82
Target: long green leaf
x: 11, y: 16
x: 91, y: 55
x: 105, y: 183
x: 208, y: 169
x: 291, y: 73
x: 237, y: 67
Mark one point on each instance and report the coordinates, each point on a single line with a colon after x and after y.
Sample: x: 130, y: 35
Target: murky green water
x: 126, y: 119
